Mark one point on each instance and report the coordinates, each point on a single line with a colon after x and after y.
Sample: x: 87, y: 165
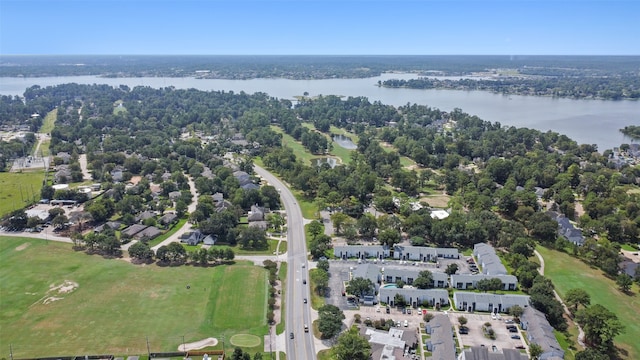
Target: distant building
x: 566, y: 228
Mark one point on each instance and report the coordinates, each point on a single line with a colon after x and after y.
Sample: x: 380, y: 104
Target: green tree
x: 624, y: 282
x: 516, y: 311
x: 451, y: 269
x: 141, y: 251
x: 591, y: 354
x: 320, y: 279
x: 360, y: 287
x: 462, y: 321
x: 535, y: 351
x: 352, y: 346
x: 315, y: 228
x: 329, y: 320
x: 424, y: 280
x: 367, y: 225
x: 576, y: 297
x: 339, y: 219
x: 600, y: 326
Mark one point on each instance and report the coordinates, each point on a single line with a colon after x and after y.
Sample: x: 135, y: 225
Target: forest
x: 503, y: 182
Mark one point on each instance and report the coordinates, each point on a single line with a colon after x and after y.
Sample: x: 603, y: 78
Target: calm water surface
x: 586, y: 121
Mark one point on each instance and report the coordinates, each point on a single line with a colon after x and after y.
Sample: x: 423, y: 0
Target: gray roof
x: 490, y: 262
x: 539, y: 331
x: 133, y: 229
x: 467, y: 278
x: 367, y: 271
x: 483, y: 353
x: 413, y: 272
x: 439, y: 295
x: 441, y: 341
x: 506, y: 300
x: 148, y: 233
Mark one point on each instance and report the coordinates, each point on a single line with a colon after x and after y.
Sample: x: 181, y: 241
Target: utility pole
x: 184, y: 348
x: 148, y: 349
x: 10, y: 352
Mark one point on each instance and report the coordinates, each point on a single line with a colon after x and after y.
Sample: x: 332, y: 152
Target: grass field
x: 17, y: 190
x: 567, y: 273
x: 49, y: 122
x: 116, y: 305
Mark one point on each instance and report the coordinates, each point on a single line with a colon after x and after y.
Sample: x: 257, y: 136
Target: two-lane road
x: 298, y: 314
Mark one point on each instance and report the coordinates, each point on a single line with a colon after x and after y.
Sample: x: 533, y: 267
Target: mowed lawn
x: 19, y: 189
x: 568, y: 273
x: 117, y: 305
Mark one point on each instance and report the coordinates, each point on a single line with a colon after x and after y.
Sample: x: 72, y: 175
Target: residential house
x: 243, y: 177
x: 470, y: 301
x: 539, y: 331
x: 132, y: 230
x: 144, y: 216
x: 210, y: 240
x: 113, y: 225
x: 148, y: 233
x: 168, y: 219
x: 64, y: 156
x: 393, y: 274
x: 469, y: 281
x: 62, y: 174
x: 361, y: 251
x: 174, y: 195
x: 566, y: 228
x: 256, y: 213
x: 415, y: 297
x: 117, y: 174
x: 441, y: 342
x: 250, y: 186
x: 486, y: 257
x: 192, y: 238
x: 482, y: 353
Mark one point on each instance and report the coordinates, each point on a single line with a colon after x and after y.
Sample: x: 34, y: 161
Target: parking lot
x: 476, y: 337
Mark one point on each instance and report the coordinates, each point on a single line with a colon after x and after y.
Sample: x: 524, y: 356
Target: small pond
x: 345, y: 142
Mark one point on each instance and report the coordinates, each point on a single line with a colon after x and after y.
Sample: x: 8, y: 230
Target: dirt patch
x: 55, y: 291
x: 23, y: 246
x: 438, y: 201
x: 198, y: 344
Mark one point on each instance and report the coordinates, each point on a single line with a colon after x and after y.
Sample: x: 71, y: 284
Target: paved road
x: 82, y: 159
x: 187, y: 226
x: 298, y: 313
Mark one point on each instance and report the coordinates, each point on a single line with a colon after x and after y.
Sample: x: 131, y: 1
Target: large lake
x: 586, y: 121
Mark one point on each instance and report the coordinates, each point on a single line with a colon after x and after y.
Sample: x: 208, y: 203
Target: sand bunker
x: 198, y: 344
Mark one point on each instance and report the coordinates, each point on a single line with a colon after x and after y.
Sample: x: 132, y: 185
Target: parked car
x: 508, y: 321
x: 517, y: 337
x: 463, y: 330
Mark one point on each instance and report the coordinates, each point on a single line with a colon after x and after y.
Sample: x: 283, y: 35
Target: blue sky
x: 331, y: 27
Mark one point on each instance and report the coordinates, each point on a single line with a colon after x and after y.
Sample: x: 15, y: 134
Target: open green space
x: 301, y: 152
x: 567, y: 273
x: 49, y: 122
x: 59, y: 302
x: 19, y: 189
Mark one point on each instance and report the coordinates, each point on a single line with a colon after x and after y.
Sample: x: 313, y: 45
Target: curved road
x: 298, y: 314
